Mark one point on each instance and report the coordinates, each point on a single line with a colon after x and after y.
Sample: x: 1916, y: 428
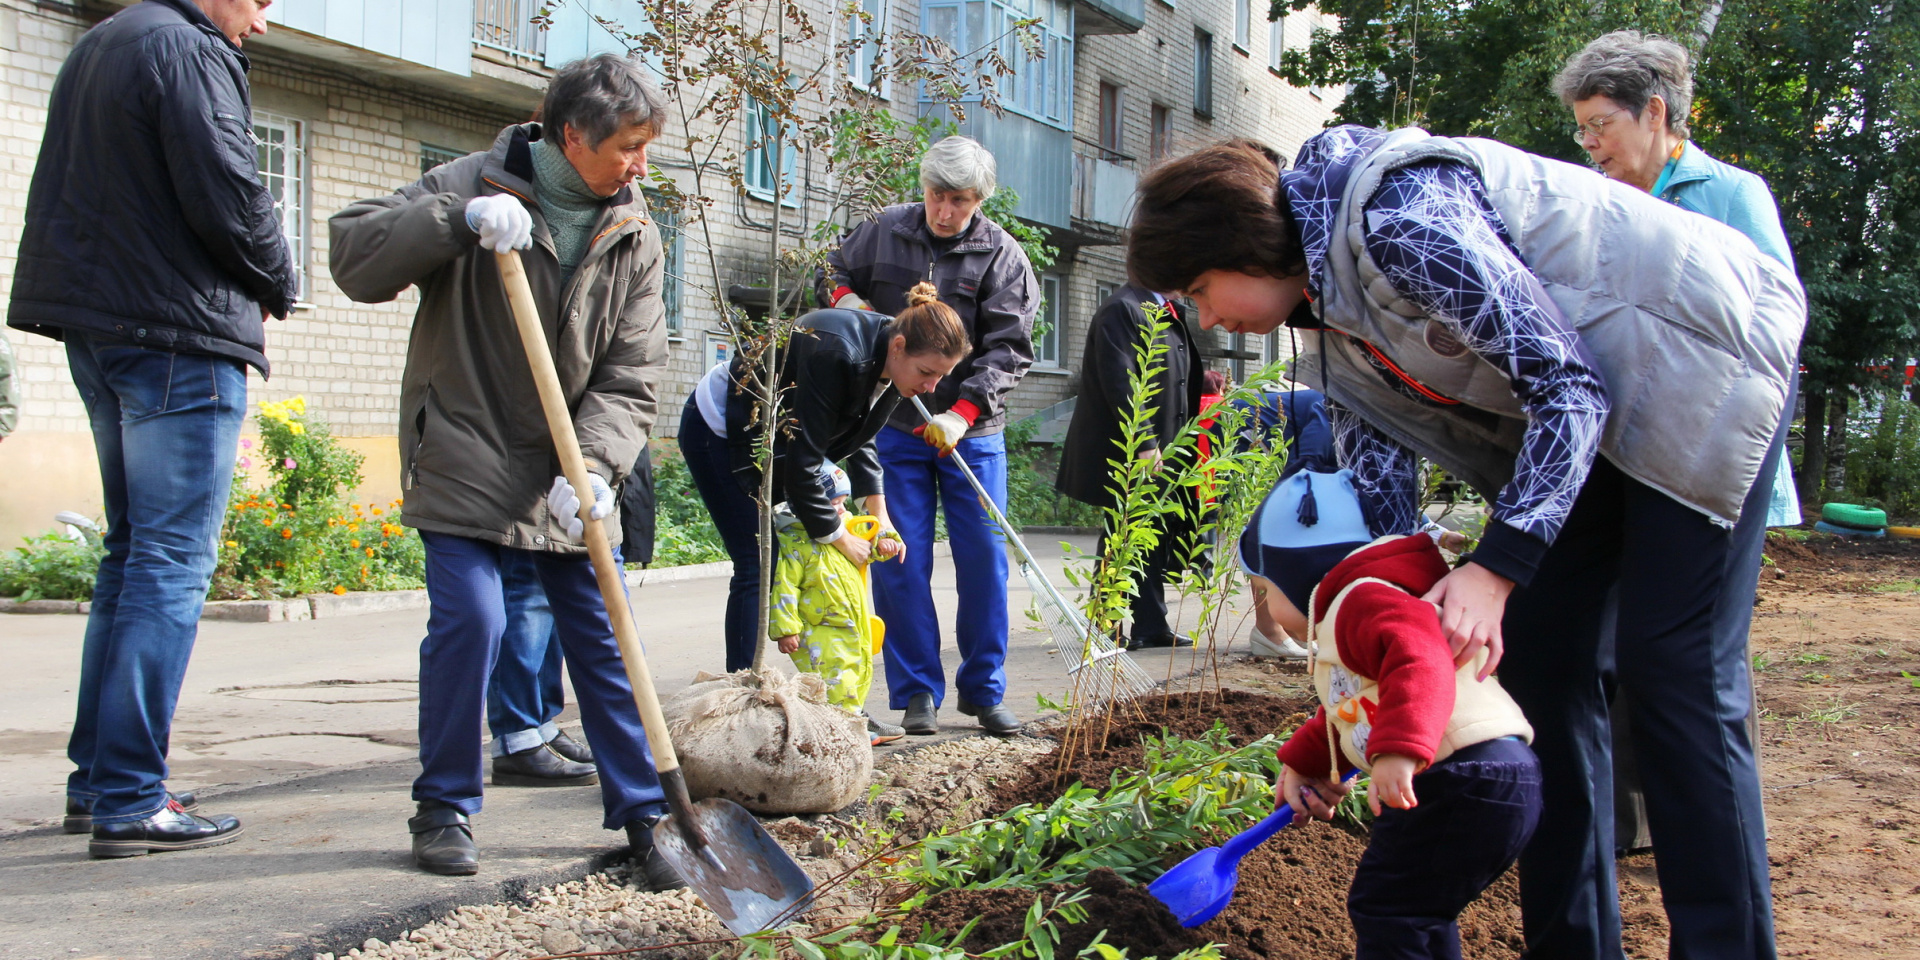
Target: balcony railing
x: 506, y: 25
x: 1103, y: 187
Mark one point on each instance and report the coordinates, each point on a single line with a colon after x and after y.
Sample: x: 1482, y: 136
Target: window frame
x: 1276, y: 42
x: 672, y: 254
x: 1243, y: 25
x: 1203, y: 70
x: 430, y: 151
x: 865, y: 66
x: 1113, y: 118
x: 1040, y: 90
x: 1160, y: 131
x: 755, y: 164
x: 1046, y: 347
x: 294, y: 220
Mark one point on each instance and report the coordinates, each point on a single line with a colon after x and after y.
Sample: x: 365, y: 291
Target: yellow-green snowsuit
x: 820, y: 595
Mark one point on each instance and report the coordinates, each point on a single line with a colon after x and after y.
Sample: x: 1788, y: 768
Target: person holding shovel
x: 1453, y: 308
x: 479, y: 465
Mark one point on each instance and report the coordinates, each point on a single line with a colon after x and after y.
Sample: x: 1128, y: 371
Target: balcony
x: 507, y: 26
x: 1096, y: 17
x: 1103, y: 192
x: 1035, y: 159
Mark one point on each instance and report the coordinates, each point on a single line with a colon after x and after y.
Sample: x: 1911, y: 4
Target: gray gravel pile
x: 919, y: 791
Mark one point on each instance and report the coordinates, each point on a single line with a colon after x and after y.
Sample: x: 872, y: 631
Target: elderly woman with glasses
x: 1610, y: 373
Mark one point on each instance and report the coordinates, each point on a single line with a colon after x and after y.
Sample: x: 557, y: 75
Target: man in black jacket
x: 153, y: 251
x: 1115, y: 340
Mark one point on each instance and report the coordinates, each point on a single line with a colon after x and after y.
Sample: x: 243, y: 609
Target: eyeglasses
x: 1592, y: 127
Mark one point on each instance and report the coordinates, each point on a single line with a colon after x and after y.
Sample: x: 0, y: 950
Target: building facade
x: 355, y: 98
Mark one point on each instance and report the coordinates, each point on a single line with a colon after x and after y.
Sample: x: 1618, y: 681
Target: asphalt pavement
x: 306, y: 731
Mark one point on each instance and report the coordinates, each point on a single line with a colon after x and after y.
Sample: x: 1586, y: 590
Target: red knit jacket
x: 1392, y: 636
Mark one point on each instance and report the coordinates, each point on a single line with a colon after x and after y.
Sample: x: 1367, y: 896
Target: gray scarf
x: 570, y: 207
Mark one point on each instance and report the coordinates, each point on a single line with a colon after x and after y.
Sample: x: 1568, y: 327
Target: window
x: 1276, y: 41
x: 1046, y: 339
x: 667, y: 218
x: 765, y: 140
x: 432, y: 156
x: 1039, y: 89
x: 280, y: 147
x: 866, y: 24
x: 1243, y: 24
x: 1162, y: 141
x: 1110, y: 118
x: 1203, y: 73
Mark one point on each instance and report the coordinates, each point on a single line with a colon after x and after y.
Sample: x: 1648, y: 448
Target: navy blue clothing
x: 1425, y: 865
x: 164, y: 430
x: 710, y: 463
x: 525, y: 693
x: 1305, y: 430
x: 1431, y: 229
x: 464, y: 625
x: 146, y: 219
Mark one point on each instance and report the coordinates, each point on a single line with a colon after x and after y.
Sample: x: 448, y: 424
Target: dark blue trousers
x: 525, y: 694
x: 737, y: 520
x: 918, y: 482
x: 1686, y: 589
x: 467, y: 617
x: 1425, y: 865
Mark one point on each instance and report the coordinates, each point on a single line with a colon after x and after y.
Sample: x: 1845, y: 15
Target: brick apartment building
x: 354, y: 98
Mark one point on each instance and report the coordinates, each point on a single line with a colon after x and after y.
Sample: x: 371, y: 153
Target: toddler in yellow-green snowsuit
x: 822, y: 612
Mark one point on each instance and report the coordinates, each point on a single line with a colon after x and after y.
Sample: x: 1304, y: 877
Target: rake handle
x: 613, y: 587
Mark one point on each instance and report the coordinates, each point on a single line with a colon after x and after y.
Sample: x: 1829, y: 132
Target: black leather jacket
x: 829, y: 379
x: 146, y: 220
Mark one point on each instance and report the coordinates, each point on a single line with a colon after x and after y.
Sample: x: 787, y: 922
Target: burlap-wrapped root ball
x: 775, y: 748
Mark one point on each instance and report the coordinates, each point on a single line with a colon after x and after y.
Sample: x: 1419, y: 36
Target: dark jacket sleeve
x: 822, y: 375
x: 382, y: 246
x: 1118, y: 334
x: 1003, y: 330
x: 855, y: 246
x: 201, y: 117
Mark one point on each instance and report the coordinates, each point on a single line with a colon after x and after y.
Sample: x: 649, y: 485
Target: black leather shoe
x: 920, y: 719
x: 1163, y: 640
x: 542, y: 766
x: 570, y: 748
x: 79, y: 817
x: 651, y: 870
x: 170, y: 829
x: 443, y: 840
x: 996, y: 719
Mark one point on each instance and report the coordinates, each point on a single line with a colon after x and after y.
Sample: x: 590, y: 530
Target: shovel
x: 1201, y: 886
x: 723, y: 853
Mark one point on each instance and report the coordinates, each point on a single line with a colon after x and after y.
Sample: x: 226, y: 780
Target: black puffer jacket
x: 146, y: 220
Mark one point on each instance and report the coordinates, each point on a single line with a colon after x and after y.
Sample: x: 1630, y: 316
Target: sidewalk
x: 306, y: 731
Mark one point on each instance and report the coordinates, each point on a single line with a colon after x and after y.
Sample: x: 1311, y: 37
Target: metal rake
x: 1100, y: 670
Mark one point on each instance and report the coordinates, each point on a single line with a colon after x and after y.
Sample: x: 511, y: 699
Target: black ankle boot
x: 651, y: 870
x: 443, y: 840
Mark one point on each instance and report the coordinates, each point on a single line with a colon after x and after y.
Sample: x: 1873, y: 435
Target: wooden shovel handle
x: 526, y: 316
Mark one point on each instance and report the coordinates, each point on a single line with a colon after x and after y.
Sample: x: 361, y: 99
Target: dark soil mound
x: 1824, y: 564
x: 1132, y: 918
x: 1248, y: 716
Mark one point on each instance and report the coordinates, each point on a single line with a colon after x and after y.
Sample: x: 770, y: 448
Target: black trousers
x: 1149, y: 602
x: 1686, y: 589
x: 1425, y: 865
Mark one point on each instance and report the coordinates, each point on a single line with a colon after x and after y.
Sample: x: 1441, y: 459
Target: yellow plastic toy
x: 868, y: 529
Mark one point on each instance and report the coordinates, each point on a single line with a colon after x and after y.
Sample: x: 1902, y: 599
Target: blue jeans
x: 466, y: 619
x: 1425, y: 865
x: 164, y: 428
x: 919, y: 480
x: 524, y: 696
x: 737, y: 519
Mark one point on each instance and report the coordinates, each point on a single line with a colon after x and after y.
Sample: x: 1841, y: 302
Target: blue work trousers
x: 1423, y: 866
x: 165, y: 427
x: 525, y: 694
x: 918, y: 481
x: 1679, y: 655
x: 738, y: 521
x: 466, y: 618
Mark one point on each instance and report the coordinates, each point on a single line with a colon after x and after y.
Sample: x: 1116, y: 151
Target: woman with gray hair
x: 476, y: 458
x: 982, y: 272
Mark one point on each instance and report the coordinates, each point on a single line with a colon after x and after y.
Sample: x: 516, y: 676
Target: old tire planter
x: 1854, y: 517
x: 1840, y: 531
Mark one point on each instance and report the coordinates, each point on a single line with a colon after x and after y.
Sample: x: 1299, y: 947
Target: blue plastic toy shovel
x: 1201, y: 886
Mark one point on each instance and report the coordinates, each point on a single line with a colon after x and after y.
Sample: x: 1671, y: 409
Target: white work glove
x: 502, y: 221
x: 943, y: 430
x: 851, y: 301
x: 565, y: 504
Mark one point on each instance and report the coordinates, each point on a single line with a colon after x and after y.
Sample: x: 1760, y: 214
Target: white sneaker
x: 1285, y: 649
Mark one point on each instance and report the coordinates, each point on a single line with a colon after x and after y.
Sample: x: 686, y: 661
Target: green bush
x: 52, y: 566
x: 303, y: 533
x: 1031, y: 499
x: 1883, y: 458
x: 684, y: 532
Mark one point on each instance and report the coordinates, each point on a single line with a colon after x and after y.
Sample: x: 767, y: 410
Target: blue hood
x: 1317, y: 182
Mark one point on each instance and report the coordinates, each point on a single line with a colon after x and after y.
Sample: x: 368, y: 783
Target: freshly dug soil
x: 1248, y: 716
x: 1828, y: 565
x: 1133, y: 919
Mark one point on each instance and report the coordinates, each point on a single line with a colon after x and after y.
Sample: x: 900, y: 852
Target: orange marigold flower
x: 286, y: 533
x: 369, y: 551
x: 355, y: 544
x: 268, y: 522
x: 363, y: 571
x: 338, y: 590
x: 377, y: 511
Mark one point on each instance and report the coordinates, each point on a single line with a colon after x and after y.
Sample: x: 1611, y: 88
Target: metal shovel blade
x: 743, y: 874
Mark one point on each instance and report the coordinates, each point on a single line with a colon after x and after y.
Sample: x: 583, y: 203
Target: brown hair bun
x: 923, y: 292
x: 931, y: 326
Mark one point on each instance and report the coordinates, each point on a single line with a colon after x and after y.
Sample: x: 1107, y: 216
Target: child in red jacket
x: 1455, y: 789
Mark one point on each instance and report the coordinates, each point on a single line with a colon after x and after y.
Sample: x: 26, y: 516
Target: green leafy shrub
x: 684, y: 532
x: 1031, y: 499
x: 52, y: 566
x: 1883, y: 458
x: 303, y: 533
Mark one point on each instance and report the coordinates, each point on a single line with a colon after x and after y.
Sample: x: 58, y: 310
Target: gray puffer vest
x: 1695, y: 331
